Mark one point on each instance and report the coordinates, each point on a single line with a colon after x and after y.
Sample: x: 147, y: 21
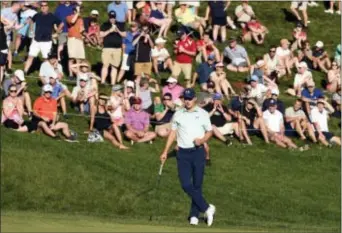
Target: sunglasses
x: 49, y: 92
x: 166, y: 99
x: 272, y: 51
x: 13, y: 91
x: 188, y: 99
x: 43, y: 5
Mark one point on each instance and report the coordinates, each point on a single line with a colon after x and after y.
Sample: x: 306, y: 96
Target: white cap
x: 47, y: 88
x: 275, y: 92
x: 54, y: 76
x: 160, y: 40
x: 94, y: 12
x: 130, y: 83
x: 83, y: 77
x: 260, y: 63
x: 302, y: 65
x: 171, y: 80
x: 319, y: 44
x: 20, y: 75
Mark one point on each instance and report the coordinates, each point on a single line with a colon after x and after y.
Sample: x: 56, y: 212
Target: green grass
x: 259, y: 188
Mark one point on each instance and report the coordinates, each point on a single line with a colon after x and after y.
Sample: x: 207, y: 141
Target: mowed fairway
x: 54, y: 186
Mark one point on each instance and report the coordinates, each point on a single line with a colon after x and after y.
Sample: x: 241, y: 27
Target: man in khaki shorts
x: 75, y: 44
x: 143, y: 49
x: 185, y: 50
x: 112, y: 48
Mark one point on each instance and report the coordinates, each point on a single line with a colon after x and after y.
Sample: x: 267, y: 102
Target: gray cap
x: 117, y: 87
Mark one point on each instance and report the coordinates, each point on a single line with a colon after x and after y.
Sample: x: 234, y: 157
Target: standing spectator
x: 302, y: 78
x: 161, y: 57
x: 331, y: 7
x: 334, y: 77
x: 239, y: 60
x: 218, y: 9
x: 159, y: 17
x: 274, y: 122
x: 63, y: 10
x: 128, y: 51
x: 163, y: 114
x: 185, y: 50
x: 9, y: 16
x: 203, y: 72
x: 143, y: 46
x: 112, y: 47
x: 137, y: 123
x: 319, y: 118
x: 221, y: 83
x: 42, y: 42
x: 174, y: 89
x: 121, y: 11
x: 321, y: 58
x: 244, y: 13
x: 3, y: 51
x: 76, y: 31
x: 285, y: 56
x: 302, y: 6
x: 299, y: 37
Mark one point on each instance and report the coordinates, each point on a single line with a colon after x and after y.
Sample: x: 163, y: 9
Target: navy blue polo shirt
x: 204, y: 70
x: 317, y: 93
x: 44, y: 26
x: 236, y: 104
x: 217, y: 9
x: 156, y: 14
x: 280, y: 105
x: 62, y: 12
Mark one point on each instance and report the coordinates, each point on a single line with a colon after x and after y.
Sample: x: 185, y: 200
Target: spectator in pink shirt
x: 137, y: 123
x: 175, y: 89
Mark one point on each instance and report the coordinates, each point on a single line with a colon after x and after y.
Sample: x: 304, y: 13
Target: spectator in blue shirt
x: 129, y: 50
x: 62, y: 11
x: 203, y: 72
x: 310, y: 95
x: 121, y: 10
x: 58, y: 92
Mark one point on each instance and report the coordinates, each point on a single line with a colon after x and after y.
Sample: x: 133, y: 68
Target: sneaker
x: 71, y: 139
x: 338, y: 12
x: 209, y: 213
x: 132, y: 142
x: 228, y: 142
x: 151, y: 142
x: 329, y: 11
x: 194, y: 221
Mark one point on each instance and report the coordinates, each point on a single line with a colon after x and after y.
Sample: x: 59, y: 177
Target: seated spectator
x: 222, y: 123
x: 144, y: 92
x: 143, y: 46
x: 302, y: 78
x: 306, y: 55
x: 203, y: 72
x: 239, y: 60
x: 93, y: 33
x: 50, y: 68
x: 302, y: 6
x: 83, y: 70
x: 160, y: 18
x: 18, y: 79
x: 299, y: 37
x: 254, y: 31
x: 137, y: 123
x: 121, y: 11
x: 161, y: 58
x: 58, y: 93
x: 221, y: 83
x: 174, y: 89
x: 274, y: 122
x: 257, y: 90
x: 259, y: 70
x: 188, y: 18
x: 310, y: 95
x: 128, y: 51
x: 336, y: 103
x: 251, y: 116
x: 117, y: 106
x: 193, y: 5
x: 274, y: 97
x: 319, y: 117
x: 103, y: 123
x: 272, y: 64
x: 296, y: 122
x: 206, y: 48
x: 244, y: 13
x: 45, y: 117
x: 334, y: 77
x: 163, y: 112
x: 320, y: 57
x: 185, y: 50
x: 83, y: 96
x: 337, y: 57
x: 13, y: 111
x: 284, y: 55
x: 130, y: 91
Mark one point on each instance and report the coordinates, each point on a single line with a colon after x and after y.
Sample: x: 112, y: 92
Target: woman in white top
x: 272, y: 63
x: 117, y: 106
x: 284, y: 55
x: 161, y: 57
x: 334, y: 77
x: 145, y: 93
x: 221, y: 83
x: 302, y: 78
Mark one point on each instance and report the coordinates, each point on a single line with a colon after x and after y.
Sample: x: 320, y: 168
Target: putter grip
x: 161, y: 169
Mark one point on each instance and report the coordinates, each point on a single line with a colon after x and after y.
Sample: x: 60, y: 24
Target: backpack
x: 95, y: 136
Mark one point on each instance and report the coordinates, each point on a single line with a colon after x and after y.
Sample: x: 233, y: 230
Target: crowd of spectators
x: 133, y: 56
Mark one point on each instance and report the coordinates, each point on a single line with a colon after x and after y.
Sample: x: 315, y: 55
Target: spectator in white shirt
x: 302, y: 79
x: 257, y: 91
x: 161, y: 57
x: 284, y: 55
x: 244, y: 12
x: 319, y: 118
x: 274, y: 122
x: 83, y: 96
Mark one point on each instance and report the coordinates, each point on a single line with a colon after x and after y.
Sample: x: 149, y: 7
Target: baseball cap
x: 217, y: 96
x: 47, y: 88
x: 116, y: 87
x: 319, y: 44
x: 136, y: 100
x: 112, y: 14
x: 275, y: 92
x: 144, y: 81
x: 130, y: 83
x: 83, y: 77
x: 189, y: 93
x: 52, y: 56
x: 273, y: 102
x: 210, y: 84
x: 302, y: 65
x: 231, y: 39
x: 284, y: 41
x: 254, y: 78
x: 94, y: 12
x: 168, y: 94
x: 160, y: 40
x: 180, y: 33
x: 171, y: 80
x: 53, y: 75
x: 20, y: 75
x: 103, y: 97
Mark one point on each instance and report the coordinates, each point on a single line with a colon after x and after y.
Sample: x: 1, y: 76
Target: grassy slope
x: 260, y: 186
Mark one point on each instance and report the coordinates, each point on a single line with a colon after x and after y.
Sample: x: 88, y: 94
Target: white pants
x: 40, y: 47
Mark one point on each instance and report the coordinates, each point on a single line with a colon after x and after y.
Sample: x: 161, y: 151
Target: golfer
x: 192, y: 128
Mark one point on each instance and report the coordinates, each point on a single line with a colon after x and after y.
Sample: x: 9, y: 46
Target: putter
x: 157, y: 185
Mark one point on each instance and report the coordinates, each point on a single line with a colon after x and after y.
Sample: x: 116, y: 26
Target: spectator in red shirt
x: 206, y: 48
x: 255, y: 31
x: 185, y: 50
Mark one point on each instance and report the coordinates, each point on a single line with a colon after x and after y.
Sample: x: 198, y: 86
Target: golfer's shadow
x: 172, y: 154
